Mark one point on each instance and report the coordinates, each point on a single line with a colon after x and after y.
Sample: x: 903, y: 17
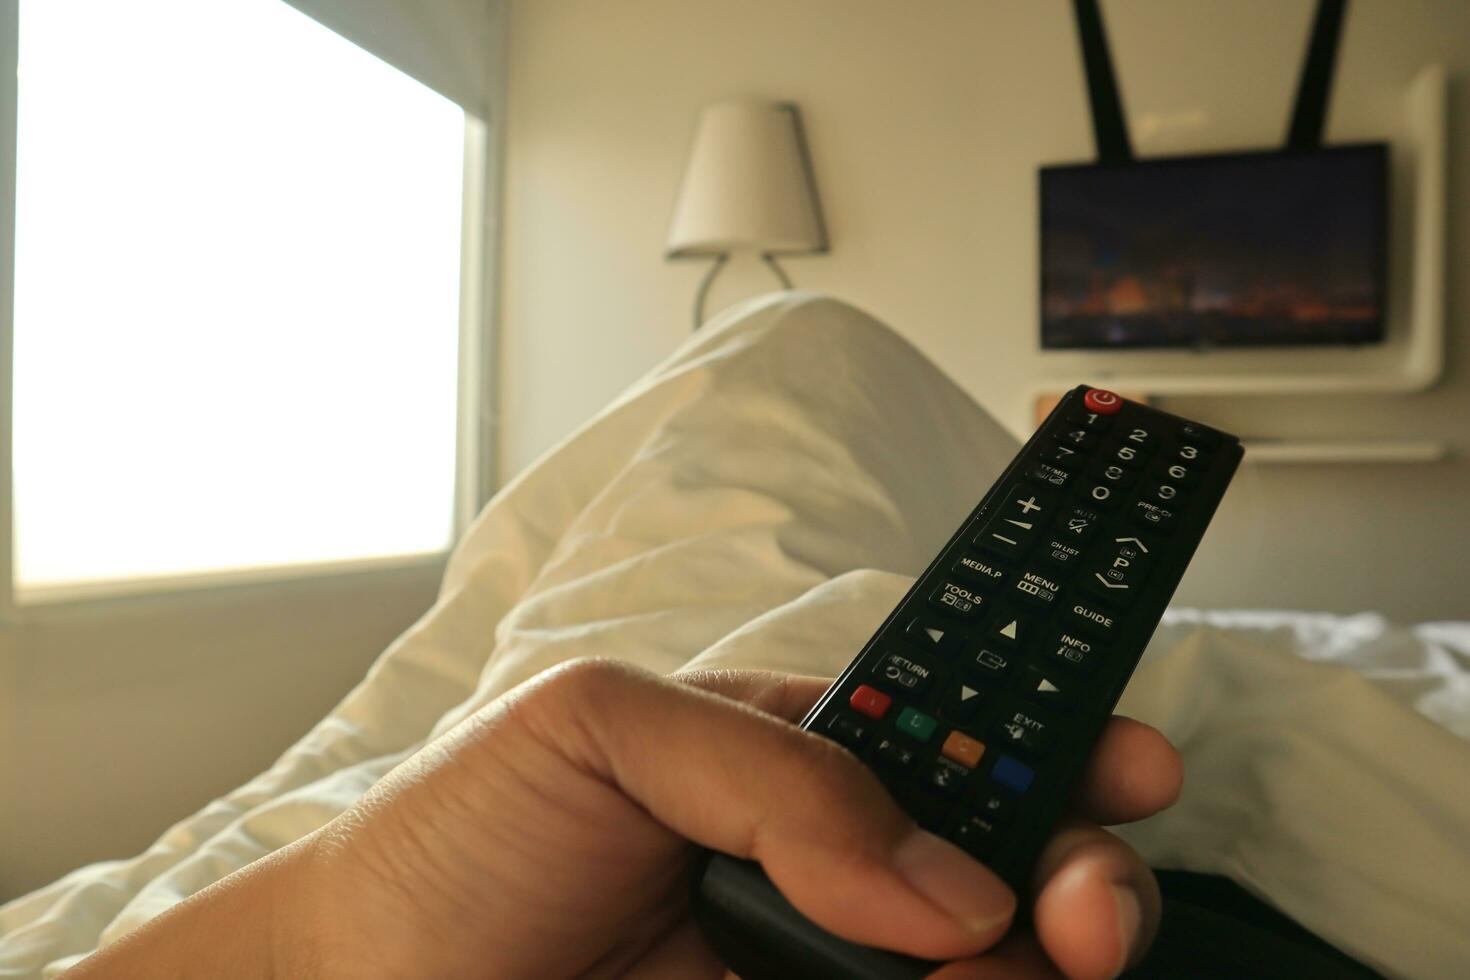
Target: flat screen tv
x: 1244, y: 249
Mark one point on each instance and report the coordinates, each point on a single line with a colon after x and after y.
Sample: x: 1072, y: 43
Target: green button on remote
x: 916, y: 724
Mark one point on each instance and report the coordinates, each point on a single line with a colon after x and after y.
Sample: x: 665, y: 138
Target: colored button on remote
x: 1012, y: 775
x: 963, y: 749
x: 916, y: 724
x: 1102, y: 401
x: 870, y: 701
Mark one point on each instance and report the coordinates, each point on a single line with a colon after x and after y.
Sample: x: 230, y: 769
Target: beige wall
x: 927, y: 121
x: 120, y: 719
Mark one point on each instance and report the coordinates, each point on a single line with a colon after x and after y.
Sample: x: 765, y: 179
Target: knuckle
x: 831, y: 771
x: 566, y: 694
x: 585, y: 678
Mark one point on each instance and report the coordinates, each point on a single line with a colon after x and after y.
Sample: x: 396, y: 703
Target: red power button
x: 1102, y: 402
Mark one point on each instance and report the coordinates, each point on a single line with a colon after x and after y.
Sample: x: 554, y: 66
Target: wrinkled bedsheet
x: 762, y: 499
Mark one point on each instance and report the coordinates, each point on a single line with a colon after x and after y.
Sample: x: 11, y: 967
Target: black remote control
x: 979, y: 699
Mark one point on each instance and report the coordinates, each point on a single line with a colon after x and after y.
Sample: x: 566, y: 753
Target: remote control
x: 978, y: 700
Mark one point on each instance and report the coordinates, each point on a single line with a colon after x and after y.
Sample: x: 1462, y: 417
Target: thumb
x: 732, y: 778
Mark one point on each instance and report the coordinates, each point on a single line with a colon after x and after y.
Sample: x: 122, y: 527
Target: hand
x: 549, y: 835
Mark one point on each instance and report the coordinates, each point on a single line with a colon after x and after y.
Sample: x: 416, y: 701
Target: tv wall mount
x: 1411, y: 357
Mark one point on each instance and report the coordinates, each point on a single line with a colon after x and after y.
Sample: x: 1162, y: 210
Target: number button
x: 1176, y: 472
x: 1165, y: 492
x: 1102, y: 495
x: 1137, y: 436
x: 1062, y: 456
x: 1125, y: 453
x: 1189, y: 454
x: 1092, y: 421
x: 1116, y: 474
x: 1080, y: 438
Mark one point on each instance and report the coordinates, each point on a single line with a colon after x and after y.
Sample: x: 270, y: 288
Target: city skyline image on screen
x: 1234, y: 250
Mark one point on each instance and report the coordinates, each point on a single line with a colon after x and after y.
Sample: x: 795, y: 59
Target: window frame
x: 475, y: 471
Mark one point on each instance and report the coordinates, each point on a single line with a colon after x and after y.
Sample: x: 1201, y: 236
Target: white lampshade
x: 748, y: 184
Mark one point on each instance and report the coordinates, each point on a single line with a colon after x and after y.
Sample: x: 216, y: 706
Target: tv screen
x: 1239, y: 250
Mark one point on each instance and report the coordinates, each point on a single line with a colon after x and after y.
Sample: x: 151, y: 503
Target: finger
x: 1017, y: 957
x: 1097, y: 903
x: 788, y: 696
x: 682, y: 954
x: 745, y: 783
x: 1133, y: 773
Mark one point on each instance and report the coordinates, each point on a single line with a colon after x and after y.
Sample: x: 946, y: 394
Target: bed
x: 762, y: 499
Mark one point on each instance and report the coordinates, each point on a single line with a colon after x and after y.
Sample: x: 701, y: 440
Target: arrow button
x: 962, y: 702
x: 1045, y: 690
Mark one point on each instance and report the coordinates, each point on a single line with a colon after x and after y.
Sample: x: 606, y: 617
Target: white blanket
x: 763, y: 499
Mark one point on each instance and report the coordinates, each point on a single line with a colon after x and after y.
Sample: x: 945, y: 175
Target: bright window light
x: 237, y: 287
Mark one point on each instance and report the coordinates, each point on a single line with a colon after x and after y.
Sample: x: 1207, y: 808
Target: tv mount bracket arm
x: 1308, y: 115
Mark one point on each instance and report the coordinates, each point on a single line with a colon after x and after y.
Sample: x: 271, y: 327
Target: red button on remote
x: 870, y: 701
x: 1102, y: 401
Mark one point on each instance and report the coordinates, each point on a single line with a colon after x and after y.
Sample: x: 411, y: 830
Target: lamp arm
x: 704, y: 284
x: 714, y: 270
x: 770, y: 260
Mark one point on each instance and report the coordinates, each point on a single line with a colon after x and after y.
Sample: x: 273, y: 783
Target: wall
x: 926, y: 122
x: 119, y: 719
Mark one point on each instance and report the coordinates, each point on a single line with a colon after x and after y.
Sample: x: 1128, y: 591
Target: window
x: 237, y: 295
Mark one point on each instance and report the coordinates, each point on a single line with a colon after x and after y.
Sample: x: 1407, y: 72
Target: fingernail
x: 1130, y: 916
x: 968, y: 891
